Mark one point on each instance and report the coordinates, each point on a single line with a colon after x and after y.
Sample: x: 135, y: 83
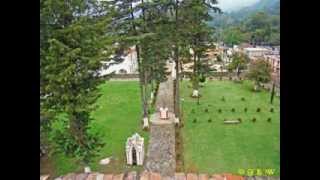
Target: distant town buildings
x: 256, y: 52
x: 267, y: 53
x: 129, y: 65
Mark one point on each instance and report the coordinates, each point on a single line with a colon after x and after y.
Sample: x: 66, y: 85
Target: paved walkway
x: 165, y: 95
x: 161, y: 149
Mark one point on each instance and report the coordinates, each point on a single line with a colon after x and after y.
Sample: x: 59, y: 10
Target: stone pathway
x: 165, y: 95
x: 161, y: 150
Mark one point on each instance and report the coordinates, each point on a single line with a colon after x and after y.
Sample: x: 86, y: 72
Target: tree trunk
x: 176, y: 59
x: 141, y: 81
x: 177, y: 89
x: 223, y: 67
x: 75, y: 128
x: 238, y: 72
x: 197, y: 82
x: 181, y: 69
x: 145, y: 101
x: 195, y: 75
x: 140, y: 68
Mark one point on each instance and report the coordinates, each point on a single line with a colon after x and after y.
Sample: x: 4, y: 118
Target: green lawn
x: 217, y: 147
x: 117, y: 117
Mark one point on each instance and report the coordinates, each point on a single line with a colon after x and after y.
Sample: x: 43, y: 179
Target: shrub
x: 206, y: 110
x: 271, y: 110
x: 245, y: 109
x: 209, y: 120
x: 233, y: 110
x: 243, y: 99
x: 269, y: 119
x: 194, y: 120
x: 239, y: 119
x: 223, y: 99
x: 258, y: 109
x: 219, y: 110
x: 254, y: 119
x: 192, y: 111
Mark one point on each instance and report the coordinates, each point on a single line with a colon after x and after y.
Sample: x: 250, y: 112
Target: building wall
x: 129, y: 64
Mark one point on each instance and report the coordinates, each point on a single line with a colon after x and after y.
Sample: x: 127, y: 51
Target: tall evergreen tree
x: 73, y: 40
x: 198, y: 35
x: 129, y: 23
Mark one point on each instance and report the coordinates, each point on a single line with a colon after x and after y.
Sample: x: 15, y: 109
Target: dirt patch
x: 179, y: 146
x: 47, y: 167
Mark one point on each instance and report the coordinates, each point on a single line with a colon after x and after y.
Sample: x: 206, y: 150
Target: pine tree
x: 198, y: 35
x: 131, y: 28
x: 73, y: 41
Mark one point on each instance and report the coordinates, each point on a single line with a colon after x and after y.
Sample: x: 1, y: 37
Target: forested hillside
x: 258, y: 24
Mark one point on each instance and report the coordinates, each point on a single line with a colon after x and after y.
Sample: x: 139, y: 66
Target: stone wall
x: 125, y: 76
x: 156, y: 176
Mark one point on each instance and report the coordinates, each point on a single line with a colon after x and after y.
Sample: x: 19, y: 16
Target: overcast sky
x: 229, y: 5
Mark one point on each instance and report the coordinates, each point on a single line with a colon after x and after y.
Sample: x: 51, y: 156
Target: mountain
x: 271, y: 7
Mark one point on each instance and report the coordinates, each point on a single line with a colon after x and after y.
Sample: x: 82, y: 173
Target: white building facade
x: 128, y: 66
x: 256, y: 52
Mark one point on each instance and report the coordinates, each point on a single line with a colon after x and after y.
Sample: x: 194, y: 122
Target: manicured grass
x: 217, y: 147
x: 117, y: 117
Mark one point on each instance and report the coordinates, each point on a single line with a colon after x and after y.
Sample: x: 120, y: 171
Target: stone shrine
x: 135, y: 150
x: 164, y: 113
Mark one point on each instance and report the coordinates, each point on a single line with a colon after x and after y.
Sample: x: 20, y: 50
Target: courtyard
x: 209, y: 145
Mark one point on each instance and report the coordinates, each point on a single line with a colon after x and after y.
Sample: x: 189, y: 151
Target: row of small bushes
x: 239, y: 119
x: 232, y: 110
x: 224, y: 99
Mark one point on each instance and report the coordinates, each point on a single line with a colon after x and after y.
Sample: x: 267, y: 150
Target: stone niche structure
x: 135, y: 150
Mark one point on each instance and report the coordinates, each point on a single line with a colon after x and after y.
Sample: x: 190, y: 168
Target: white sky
x: 229, y: 5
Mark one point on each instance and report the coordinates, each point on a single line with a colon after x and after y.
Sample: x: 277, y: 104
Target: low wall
x: 124, y: 76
